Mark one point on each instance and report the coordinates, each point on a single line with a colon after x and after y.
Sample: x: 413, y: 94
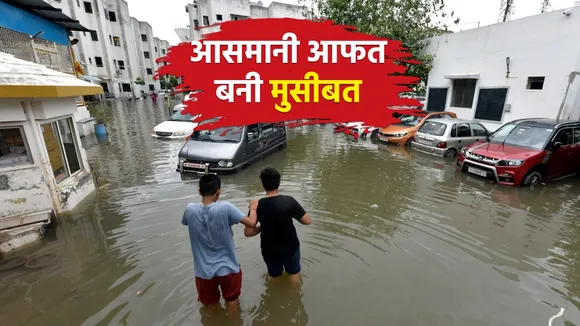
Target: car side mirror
x: 558, y: 145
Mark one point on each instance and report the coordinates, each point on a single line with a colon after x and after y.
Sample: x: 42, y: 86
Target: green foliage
x: 411, y: 21
x: 102, y: 112
x: 173, y: 81
x: 139, y: 81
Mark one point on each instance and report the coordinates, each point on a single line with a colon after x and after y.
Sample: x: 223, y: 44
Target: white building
x: 523, y: 68
x: 118, y: 49
x: 43, y: 167
x: 209, y: 12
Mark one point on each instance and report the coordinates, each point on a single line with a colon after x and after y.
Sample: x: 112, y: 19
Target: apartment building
x: 209, y: 12
x: 119, y: 51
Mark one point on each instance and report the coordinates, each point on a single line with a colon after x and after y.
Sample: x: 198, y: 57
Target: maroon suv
x: 525, y: 152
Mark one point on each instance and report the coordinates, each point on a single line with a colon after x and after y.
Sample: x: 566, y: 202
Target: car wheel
x: 375, y: 134
x: 450, y: 153
x: 532, y: 178
x: 408, y: 142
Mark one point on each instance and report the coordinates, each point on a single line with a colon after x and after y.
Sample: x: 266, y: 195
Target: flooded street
x: 397, y: 238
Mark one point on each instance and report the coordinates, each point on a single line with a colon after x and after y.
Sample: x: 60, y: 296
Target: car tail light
x: 442, y: 144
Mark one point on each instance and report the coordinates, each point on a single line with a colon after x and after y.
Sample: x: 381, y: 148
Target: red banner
x: 292, y: 70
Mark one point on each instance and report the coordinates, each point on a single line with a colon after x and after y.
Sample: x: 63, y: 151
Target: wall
x: 19, y: 20
x: 537, y: 46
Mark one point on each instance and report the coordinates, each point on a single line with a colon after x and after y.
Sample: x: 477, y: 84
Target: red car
x: 525, y: 152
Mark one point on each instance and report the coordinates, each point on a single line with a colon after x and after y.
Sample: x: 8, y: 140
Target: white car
x: 162, y: 93
x: 179, y: 126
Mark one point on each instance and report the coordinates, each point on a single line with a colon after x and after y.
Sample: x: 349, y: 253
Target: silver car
x: 446, y: 137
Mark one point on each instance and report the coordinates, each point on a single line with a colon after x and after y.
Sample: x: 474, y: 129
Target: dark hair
x: 270, y: 179
x: 209, y: 184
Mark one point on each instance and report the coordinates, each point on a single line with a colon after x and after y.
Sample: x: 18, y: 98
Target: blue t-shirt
x: 211, y: 236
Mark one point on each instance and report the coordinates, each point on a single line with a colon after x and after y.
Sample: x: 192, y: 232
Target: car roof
x: 448, y: 121
x: 543, y: 122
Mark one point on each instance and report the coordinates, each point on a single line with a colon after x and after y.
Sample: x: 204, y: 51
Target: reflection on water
x: 398, y: 238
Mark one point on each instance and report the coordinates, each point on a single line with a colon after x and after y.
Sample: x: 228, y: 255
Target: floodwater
x: 398, y: 238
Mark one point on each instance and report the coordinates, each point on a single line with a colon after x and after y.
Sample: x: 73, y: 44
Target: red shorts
x: 208, y: 291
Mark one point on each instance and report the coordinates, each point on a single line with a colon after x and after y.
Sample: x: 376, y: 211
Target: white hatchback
x: 179, y: 126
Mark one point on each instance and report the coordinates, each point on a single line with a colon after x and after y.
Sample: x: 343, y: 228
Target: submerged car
x: 446, y: 137
x: 525, y: 152
x: 179, y: 126
x: 230, y: 148
x: 403, y: 132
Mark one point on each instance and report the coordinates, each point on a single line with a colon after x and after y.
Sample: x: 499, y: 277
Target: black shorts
x: 290, y: 265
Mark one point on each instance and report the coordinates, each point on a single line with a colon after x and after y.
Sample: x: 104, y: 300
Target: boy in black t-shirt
x: 279, y: 241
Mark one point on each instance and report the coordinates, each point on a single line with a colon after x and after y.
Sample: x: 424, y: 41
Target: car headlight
x: 224, y: 164
x: 401, y: 134
x: 179, y: 133
x: 464, y: 151
x: 153, y: 130
x: 511, y: 162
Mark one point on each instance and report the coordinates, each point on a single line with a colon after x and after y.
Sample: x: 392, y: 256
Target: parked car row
x: 523, y: 152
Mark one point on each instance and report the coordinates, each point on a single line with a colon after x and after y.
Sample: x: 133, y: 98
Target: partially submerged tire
x: 408, y: 142
x: 532, y: 178
x: 375, y: 134
x: 450, y: 153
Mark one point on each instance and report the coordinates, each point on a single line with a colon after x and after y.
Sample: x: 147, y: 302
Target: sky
x: 166, y: 15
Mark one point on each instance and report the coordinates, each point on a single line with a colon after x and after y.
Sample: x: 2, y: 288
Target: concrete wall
x: 538, y: 46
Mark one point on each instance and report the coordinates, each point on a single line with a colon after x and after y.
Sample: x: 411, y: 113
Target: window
x: 267, y: 128
x: 94, y: 36
x: 121, y: 64
x: 13, y: 147
x: 143, y: 37
x: 253, y: 132
x: 463, y: 130
x: 106, y: 14
x: 116, y: 41
x: 206, y: 20
x: 195, y: 23
x: 112, y: 16
x: 564, y: 136
x: 535, y: 83
x: 99, y: 61
x: 90, y: 61
x: 155, y: 49
x: 163, y: 51
x: 149, y: 71
x: 151, y: 87
x: 60, y: 141
x: 218, y: 17
x: 126, y: 87
x: 433, y: 128
x: 437, y: 99
x: 463, y: 91
x: 577, y: 135
x: 146, y: 55
x: 478, y: 130
x: 454, y: 131
x: 490, y: 104
x: 78, y: 3
x: 110, y: 39
x: 88, y: 7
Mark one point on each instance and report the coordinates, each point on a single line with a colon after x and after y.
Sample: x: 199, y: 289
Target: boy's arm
x: 251, y: 232
x: 184, y: 218
x: 300, y: 214
x: 236, y: 216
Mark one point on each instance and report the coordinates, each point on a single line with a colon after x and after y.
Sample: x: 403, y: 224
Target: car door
x: 268, y: 134
x: 252, y: 147
x: 576, y: 149
x: 464, y: 136
x: 561, y: 161
x: 479, y: 132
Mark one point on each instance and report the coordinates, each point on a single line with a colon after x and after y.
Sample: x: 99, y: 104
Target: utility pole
x: 545, y: 5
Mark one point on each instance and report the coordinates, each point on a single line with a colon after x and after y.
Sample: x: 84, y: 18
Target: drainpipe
x: 44, y: 161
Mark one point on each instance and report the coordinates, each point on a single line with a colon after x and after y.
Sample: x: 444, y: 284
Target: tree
x: 173, y: 82
x: 412, y: 22
x: 139, y: 81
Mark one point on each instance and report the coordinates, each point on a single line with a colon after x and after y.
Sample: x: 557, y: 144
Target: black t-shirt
x: 279, y: 240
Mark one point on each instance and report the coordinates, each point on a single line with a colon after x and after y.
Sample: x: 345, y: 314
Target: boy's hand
x: 253, y: 204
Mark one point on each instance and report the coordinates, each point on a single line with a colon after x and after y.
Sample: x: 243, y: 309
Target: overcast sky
x: 165, y: 15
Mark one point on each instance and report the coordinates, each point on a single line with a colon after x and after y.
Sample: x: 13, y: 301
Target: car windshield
x: 219, y: 135
x: 533, y: 137
x: 433, y: 128
x: 177, y: 116
x: 410, y: 120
